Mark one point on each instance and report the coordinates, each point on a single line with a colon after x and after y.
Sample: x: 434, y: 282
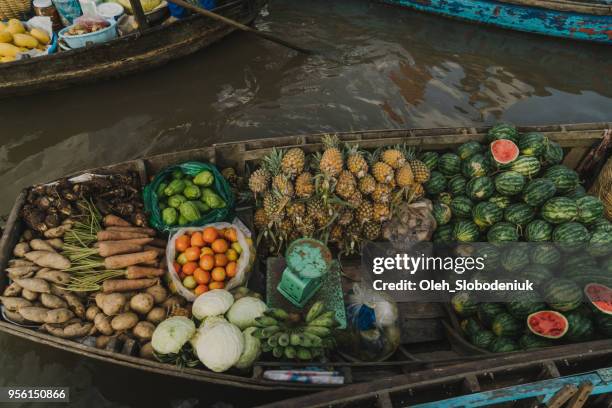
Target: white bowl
x: 110, y: 10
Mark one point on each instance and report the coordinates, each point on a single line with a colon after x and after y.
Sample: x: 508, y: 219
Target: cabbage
x: 219, y: 345
x: 252, y: 349
x: 211, y: 321
x: 244, y: 312
x: 172, y: 334
x: 213, y: 303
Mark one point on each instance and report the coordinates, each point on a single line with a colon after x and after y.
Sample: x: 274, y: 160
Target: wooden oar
x: 241, y: 26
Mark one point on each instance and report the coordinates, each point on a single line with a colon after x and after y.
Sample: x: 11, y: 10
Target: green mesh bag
x: 192, y: 168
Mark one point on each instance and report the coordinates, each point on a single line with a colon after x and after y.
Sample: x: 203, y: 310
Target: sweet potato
x: 48, y: 259
x: 111, y: 304
x: 70, y: 331
x: 142, y: 303
x: 146, y: 351
x: 124, y: 321
x: 140, y: 272
x: 91, y: 312
x: 52, y: 302
x: 57, y: 232
x: 13, y: 263
x: 156, y: 315
x: 110, y: 248
x: 103, y: 324
x: 123, y: 261
x: 14, y: 317
x: 158, y: 292
x: 34, y: 314
x: 55, y: 243
x: 21, y: 249
x: 143, y: 331
x: 12, y: 290
x: 21, y: 271
x: 58, y: 291
x: 29, y: 295
x: 40, y: 245
x: 126, y: 285
x: 59, y: 316
x: 34, y: 284
x: 50, y: 275
x: 13, y: 304
x: 119, y: 235
x: 75, y: 304
x: 113, y: 221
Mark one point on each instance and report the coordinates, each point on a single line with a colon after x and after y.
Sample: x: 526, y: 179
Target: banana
x: 265, y: 347
x: 318, y: 330
x: 277, y: 313
x: 264, y: 321
x: 290, y: 352
x: 269, y: 331
x: 323, y: 321
x: 315, y: 340
x: 257, y: 333
x: 273, y: 340
x: 328, y: 315
x: 317, y: 352
x: 295, y: 339
x: 283, y: 340
x: 315, y: 310
x: 304, y: 354
x: 278, y: 351
x: 306, y: 342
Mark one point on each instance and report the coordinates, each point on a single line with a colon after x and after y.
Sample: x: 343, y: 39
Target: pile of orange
x: 207, y: 259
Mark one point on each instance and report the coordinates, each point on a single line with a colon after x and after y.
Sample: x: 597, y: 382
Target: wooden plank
x: 384, y: 400
x: 141, y: 19
x: 562, y: 396
x: 470, y: 384
x: 574, y: 156
x: 580, y: 398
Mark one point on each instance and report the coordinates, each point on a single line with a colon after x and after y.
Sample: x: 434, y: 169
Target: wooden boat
x: 144, y: 49
x: 568, y: 19
x: 428, y: 337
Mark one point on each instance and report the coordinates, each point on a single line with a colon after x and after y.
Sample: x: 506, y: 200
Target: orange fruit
x: 220, y: 246
x: 216, y: 285
x: 201, y: 276
x: 192, y: 253
x: 232, y: 255
x: 209, y: 234
x: 177, y: 267
x: 182, y: 243
x: 197, y: 240
x: 218, y: 274
x: 182, y: 259
x: 230, y: 269
x: 220, y: 260
x: 231, y: 235
x: 207, y: 262
x: 200, y: 289
x: 236, y: 247
x: 207, y: 251
x: 189, y: 268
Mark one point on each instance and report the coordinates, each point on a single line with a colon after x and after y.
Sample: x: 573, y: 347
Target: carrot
x: 122, y: 261
x: 110, y: 248
x: 158, y: 242
x: 160, y: 251
x: 141, y: 230
x: 139, y: 272
x: 127, y: 285
x: 113, y: 221
x: 118, y: 235
x: 154, y: 263
x: 133, y: 241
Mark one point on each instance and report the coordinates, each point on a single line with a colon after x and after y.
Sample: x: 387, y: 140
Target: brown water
x: 399, y: 69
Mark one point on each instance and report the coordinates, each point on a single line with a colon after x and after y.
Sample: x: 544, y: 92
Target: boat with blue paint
x: 575, y: 20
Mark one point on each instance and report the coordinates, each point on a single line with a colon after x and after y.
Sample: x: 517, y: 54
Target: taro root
x: 52, y: 220
x: 43, y: 202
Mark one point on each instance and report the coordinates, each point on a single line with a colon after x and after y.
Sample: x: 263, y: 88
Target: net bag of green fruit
x: 190, y: 194
x: 186, y: 284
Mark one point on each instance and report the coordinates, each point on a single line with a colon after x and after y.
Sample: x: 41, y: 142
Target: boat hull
x: 577, y: 22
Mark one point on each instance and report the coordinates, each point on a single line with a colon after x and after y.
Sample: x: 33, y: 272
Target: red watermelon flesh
x: 600, y: 296
x: 547, y: 323
x: 504, y: 151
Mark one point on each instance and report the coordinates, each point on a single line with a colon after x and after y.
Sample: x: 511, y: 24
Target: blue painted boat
x: 558, y: 18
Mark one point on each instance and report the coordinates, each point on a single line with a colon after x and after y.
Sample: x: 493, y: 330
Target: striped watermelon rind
x: 461, y: 206
x: 530, y: 341
x: 519, y: 214
x: 479, y: 188
x: 442, y: 213
x: 436, y: 183
x: 538, y: 274
x: 565, y: 179
x: 464, y: 305
x: 465, y: 231
x: 600, y: 243
x: 503, y: 131
x: 482, y: 338
x: 503, y: 232
x: 562, y: 295
x: 525, y: 303
x: 538, y: 191
x: 545, y: 254
x: 501, y: 201
x: 503, y: 345
x: 443, y: 234
x: 604, y: 324
x: 571, y: 236
x: 532, y: 144
x: 590, y: 209
x: 474, y: 166
x: 506, y: 325
x: 456, y: 185
x: 538, y: 231
x: 509, y: 183
x: 515, y: 258
x: 558, y: 210
x: 449, y: 164
x: 468, y: 149
x: 553, y: 153
x: 430, y: 159
x: 485, y: 214
x: 528, y: 166
x: 580, y: 327
x: 488, y: 311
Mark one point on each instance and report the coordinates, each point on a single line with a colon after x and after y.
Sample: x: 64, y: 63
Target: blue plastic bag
x: 180, y: 12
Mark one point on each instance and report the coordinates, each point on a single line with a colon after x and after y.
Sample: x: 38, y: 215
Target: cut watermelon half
x: 548, y: 323
x: 504, y: 151
x: 600, y: 297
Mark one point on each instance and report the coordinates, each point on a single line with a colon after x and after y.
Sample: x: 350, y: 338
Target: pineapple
x: 372, y: 230
x: 382, y: 172
x: 296, y: 211
x: 355, y: 200
x: 259, y: 180
x: 355, y: 161
x: 419, y: 169
x: 260, y: 219
x: 404, y: 176
x: 336, y: 233
x: 283, y: 185
x: 274, y: 206
x: 381, y: 193
x: 364, y: 212
x: 304, y: 185
x: 332, y: 160
x: 367, y: 184
x: 393, y: 157
x: 346, y: 216
x: 382, y: 212
x: 418, y: 191
x: 286, y: 228
x: 293, y: 162
x: 306, y: 228
x: 319, y: 213
x: 346, y: 185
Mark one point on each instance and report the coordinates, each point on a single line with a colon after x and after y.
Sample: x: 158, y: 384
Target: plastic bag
x: 244, y: 265
x: 411, y: 222
x: 373, y: 332
x: 221, y: 186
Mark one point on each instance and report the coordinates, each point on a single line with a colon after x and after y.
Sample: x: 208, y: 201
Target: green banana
x: 323, y: 321
x: 306, y: 342
x: 265, y: 347
x: 317, y: 352
x: 295, y: 339
x: 318, y: 330
x: 283, y: 340
x: 329, y: 315
x: 277, y: 313
x: 273, y: 340
x: 290, y: 352
x: 278, y: 351
x: 315, y: 310
x: 264, y: 321
x: 304, y: 354
x: 315, y: 340
x: 257, y: 333
x: 269, y: 331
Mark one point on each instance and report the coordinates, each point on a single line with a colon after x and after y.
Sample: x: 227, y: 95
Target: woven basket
x: 603, y: 187
x: 18, y: 9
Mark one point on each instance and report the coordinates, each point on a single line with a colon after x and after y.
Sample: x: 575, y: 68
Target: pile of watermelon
x: 514, y: 188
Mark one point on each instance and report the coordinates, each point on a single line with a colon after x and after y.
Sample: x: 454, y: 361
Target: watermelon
x: 530, y: 341
x: 479, y: 188
x: 606, y: 266
x: 488, y: 311
x: 505, y: 325
x: 503, y: 131
x: 532, y: 144
x: 503, y: 345
x: 519, y: 214
x: 442, y: 213
x: 503, y: 232
x: 490, y: 254
x: 604, y: 324
x: 538, y: 274
x: 500, y: 201
x: 553, y: 153
x: 528, y: 166
x: 443, y: 234
x: 475, y: 166
x: 468, y: 149
x: 430, y: 159
x: 436, y: 183
x: 486, y: 214
x: 456, y: 185
x: 525, y: 303
x: 465, y: 231
x: 562, y: 295
x: 515, y: 258
x: 549, y: 324
x: 558, y: 210
x: 538, y: 191
x: 579, y: 261
x: 538, y: 231
x: 470, y: 326
x: 600, y: 243
x: 600, y: 297
x: 482, y: 338
x: 587, y: 274
x: 449, y: 164
x: 580, y: 327
x: 509, y: 183
x: 601, y: 224
x: 545, y: 254
x: 589, y: 209
x: 565, y: 179
x: 464, y: 305
x: 503, y: 151
x: 577, y: 193
x: 571, y: 236
x: 461, y: 206
x: 445, y: 197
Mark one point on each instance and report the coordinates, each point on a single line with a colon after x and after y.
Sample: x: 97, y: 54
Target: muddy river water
x: 391, y: 68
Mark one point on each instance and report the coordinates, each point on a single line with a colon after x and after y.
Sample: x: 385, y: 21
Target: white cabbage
x: 252, y: 349
x: 172, y: 334
x: 244, y: 312
x: 212, y: 303
x: 219, y: 345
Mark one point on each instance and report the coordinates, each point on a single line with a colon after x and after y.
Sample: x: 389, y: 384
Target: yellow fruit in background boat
x: 40, y: 35
x: 6, y: 59
x: 6, y: 37
x: 2, y: 26
x: 8, y: 50
x: 25, y: 40
x: 15, y: 27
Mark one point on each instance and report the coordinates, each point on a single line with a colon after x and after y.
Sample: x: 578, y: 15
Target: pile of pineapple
x: 340, y: 196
